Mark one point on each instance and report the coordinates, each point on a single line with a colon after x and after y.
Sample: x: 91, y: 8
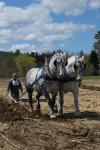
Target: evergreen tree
x: 17, y: 53
x: 97, y: 42
x: 81, y: 53
x: 94, y: 61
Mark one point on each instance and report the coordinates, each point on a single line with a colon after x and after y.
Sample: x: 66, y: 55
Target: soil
x: 22, y: 130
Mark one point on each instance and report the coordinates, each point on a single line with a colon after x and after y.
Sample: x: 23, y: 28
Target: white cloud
x: 34, y: 23
x: 18, y: 16
x: 11, y: 15
x: 6, y: 34
x: 50, y: 32
x: 63, y: 31
x: 69, y: 7
x: 94, y: 4
x: 2, y: 42
x: 24, y: 47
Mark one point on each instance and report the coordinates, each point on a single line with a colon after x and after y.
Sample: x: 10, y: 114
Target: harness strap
x: 48, y: 75
x: 36, y: 80
x: 46, y: 70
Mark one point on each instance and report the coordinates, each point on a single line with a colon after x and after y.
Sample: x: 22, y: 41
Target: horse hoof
x: 53, y: 116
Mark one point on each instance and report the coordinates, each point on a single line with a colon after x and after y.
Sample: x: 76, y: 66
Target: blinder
x: 75, y: 66
x: 55, y: 63
x: 66, y: 63
x: 84, y: 66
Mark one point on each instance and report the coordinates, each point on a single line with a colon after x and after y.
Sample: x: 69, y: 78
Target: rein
x: 36, y: 80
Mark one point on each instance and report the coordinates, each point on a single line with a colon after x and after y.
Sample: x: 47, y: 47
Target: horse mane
x: 47, y: 64
x: 56, y: 55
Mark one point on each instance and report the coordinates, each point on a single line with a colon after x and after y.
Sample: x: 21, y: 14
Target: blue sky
x: 46, y: 25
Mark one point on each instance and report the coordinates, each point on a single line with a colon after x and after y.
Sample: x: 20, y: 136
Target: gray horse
x: 35, y: 80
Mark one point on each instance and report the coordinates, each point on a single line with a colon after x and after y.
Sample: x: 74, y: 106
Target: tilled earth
x: 22, y: 130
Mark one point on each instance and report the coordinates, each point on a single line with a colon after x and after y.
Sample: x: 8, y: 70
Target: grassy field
x: 91, y: 78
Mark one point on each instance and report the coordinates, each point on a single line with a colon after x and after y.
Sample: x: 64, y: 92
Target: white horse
x: 74, y: 70
x: 35, y: 80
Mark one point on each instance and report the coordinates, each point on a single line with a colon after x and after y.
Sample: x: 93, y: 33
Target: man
x: 14, y: 86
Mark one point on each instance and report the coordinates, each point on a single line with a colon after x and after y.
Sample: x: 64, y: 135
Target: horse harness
x: 46, y: 75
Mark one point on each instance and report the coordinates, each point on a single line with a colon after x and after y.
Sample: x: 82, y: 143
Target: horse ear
x: 55, y: 63
x: 81, y: 59
x: 64, y: 55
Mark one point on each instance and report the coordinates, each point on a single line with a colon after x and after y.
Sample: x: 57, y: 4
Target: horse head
x: 75, y: 68
x: 79, y: 67
x: 57, y: 65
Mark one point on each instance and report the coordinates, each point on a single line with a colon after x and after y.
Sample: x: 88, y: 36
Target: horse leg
x: 38, y: 102
x: 49, y: 101
x: 54, y: 102
x: 30, y: 100
x: 61, y: 102
x: 76, y: 105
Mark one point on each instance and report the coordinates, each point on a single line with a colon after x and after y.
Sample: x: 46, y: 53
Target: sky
x: 47, y: 25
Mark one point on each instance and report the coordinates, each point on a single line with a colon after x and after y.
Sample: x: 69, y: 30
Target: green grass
x: 91, y: 78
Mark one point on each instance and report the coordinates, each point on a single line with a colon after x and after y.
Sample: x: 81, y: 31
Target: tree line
x: 21, y: 62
